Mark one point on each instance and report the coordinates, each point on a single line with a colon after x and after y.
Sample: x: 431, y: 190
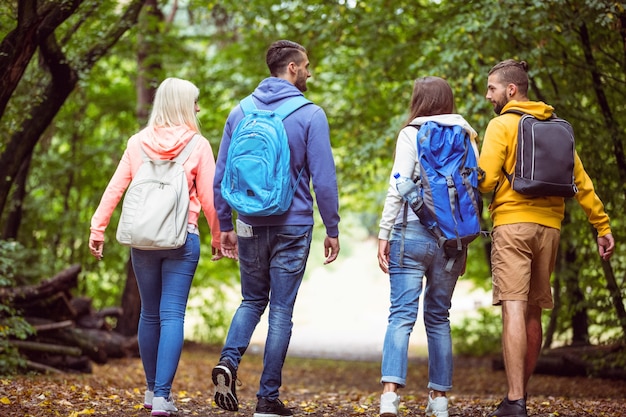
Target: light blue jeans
x: 164, y: 280
x: 410, y: 260
x: 272, y: 263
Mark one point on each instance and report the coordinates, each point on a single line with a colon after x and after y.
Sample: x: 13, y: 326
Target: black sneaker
x: 509, y: 408
x: 225, y: 377
x: 271, y: 408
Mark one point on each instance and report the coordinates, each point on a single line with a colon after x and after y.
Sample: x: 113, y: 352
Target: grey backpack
x: 155, y: 210
x: 544, y: 165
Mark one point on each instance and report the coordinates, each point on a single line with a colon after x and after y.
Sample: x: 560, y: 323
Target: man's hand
x: 228, y: 241
x: 606, y: 246
x: 331, y: 249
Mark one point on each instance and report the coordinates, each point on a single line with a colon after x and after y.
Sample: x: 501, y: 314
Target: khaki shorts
x: 522, y: 259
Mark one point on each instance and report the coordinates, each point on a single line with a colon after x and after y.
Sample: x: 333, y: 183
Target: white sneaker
x: 437, y: 407
x: 147, y: 399
x: 389, y: 403
x: 163, y: 407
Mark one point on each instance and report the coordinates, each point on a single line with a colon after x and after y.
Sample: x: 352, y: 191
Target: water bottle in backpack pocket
x: 411, y: 192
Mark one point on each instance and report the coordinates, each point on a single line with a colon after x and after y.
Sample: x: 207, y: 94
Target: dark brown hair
x: 431, y: 96
x: 281, y: 53
x: 511, y: 71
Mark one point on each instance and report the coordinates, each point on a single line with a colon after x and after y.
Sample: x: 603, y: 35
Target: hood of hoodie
x: 448, y: 120
x: 161, y: 142
x: 273, y: 89
x: 537, y: 109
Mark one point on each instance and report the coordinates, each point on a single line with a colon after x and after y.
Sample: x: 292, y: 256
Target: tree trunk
x: 580, y: 320
x: 609, y: 121
x: 148, y: 58
x: 61, y: 75
x: 614, y: 289
x: 149, y: 68
x: 14, y: 219
x: 18, y: 47
x: 128, y: 322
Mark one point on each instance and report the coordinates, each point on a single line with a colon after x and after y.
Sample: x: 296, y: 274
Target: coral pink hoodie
x: 163, y: 143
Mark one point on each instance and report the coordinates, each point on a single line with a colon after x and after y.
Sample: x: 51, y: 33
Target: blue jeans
x: 410, y: 259
x: 164, y: 280
x: 272, y: 263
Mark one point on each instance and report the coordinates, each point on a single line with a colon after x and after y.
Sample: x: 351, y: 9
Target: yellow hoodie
x: 499, y: 151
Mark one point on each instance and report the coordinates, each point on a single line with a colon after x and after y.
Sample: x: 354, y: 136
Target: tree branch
x: 63, y: 80
x: 18, y: 47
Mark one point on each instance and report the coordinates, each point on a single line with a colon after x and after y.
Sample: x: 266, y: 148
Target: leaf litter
x: 311, y: 387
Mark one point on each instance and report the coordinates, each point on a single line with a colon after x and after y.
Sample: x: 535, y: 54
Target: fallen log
x: 70, y: 363
x: 40, y: 367
x: 586, y: 360
x: 62, y: 282
x: 69, y: 332
x: 52, y: 326
x: 46, y: 347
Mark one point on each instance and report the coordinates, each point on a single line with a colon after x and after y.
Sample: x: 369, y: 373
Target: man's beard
x: 301, y: 81
x: 498, y: 106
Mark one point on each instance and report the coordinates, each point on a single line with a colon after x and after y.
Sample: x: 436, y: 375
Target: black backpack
x: 544, y: 165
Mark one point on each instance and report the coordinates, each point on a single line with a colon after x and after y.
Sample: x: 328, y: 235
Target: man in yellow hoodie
x: 526, y: 231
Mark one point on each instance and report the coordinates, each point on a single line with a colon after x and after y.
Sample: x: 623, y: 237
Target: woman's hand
x: 96, y: 247
x: 217, y: 254
x: 383, y: 255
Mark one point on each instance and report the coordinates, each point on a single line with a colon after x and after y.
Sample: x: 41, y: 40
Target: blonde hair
x: 175, y: 104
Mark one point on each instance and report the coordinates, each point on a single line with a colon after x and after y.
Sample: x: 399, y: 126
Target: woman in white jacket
x: 410, y: 255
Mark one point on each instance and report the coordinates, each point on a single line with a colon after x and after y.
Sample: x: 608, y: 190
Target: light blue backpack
x: 257, y: 175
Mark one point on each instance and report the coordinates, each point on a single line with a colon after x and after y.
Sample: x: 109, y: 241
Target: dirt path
x: 312, y: 387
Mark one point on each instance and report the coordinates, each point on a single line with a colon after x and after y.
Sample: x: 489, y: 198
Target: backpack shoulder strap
x: 247, y: 105
x: 508, y: 176
x: 184, y: 154
x: 514, y: 111
x: 290, y: 106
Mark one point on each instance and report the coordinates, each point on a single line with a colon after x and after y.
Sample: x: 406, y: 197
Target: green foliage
x: 12, y: 324
x: 478, y: 336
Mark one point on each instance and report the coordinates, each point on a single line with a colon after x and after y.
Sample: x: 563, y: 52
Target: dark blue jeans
x: 272, y: 263
x: 164, y: 280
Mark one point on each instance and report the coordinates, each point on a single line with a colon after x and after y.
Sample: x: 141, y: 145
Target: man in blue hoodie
x: 273, y: 250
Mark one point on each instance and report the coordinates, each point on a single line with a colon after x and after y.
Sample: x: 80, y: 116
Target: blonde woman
x: 164, y: 276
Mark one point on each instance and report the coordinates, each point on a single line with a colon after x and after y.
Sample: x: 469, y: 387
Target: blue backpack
x: 448, y: 184
x: 257, y: 175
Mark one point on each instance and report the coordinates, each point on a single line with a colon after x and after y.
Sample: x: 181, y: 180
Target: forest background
x: 77, y: 78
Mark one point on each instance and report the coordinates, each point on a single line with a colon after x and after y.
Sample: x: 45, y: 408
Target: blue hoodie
x: 309, y: 142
